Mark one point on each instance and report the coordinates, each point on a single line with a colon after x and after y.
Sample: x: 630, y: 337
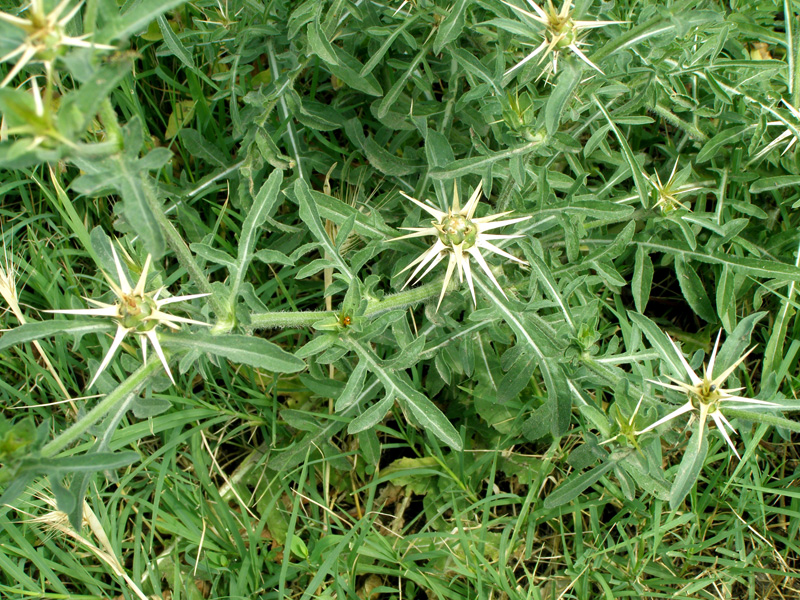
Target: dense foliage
x: 429, y: 299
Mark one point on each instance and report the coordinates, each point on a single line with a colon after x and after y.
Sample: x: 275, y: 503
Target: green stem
x: 429, y: 291
x: 281, y: 319
x: 184, y: 256
x: 131, y: 385
x: 108, y: 116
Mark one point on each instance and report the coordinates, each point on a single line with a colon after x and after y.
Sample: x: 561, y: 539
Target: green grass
x: 332, y: 434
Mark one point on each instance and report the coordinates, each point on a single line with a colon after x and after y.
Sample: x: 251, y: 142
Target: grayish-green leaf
x: 41, y: 329
x: 689, y: 470
x: 249, y: 350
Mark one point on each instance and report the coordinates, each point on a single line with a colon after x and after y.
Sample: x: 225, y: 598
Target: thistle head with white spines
x: 459, y: 236
x: 135, y: 311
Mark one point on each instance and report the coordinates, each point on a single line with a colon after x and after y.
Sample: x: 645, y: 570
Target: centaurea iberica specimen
x: 457, y: 233
x: 135, y: 311
x: 706, y: 394
x: 561, y: 32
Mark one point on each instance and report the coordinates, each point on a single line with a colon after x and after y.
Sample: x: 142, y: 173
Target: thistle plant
x: 459, y: 235
x: 135, y: 311
x: 561, y: 33
x: 706, y: 395
x: 216, y: 139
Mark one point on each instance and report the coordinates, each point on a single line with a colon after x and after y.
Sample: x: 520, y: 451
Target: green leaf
x: 372, y: 416
x: 475, y: 67
x: 146, y: 408
x: 568, y: 80
x: 693, y: 290
x: 316, y: 345
x: 388, y: 163
x: 394, y: 92
x: 310, y: 216
x: 517, y: 377
x: 427, y: 414
x: 476, y: 164
x: 576, y: 484
x: 174, y: 44
x: 351, y: 391
x: 320, y: 44
x: 558, y: 392
x: 41, y: 329
x: 136, y: 192
x: 689, y: 470
x: 200, y: 147
x: 254, y: 351
x: 548, y: 282
x: 376, y: 58
x: 140, y: 14
x: 716, y: 143
x: 451, y: 27
x: 769, y: 184
x: 658, y: 339
x: 638, y: 177
x: 367, y: 225
x: 79, y: 108
x: 213, y: 255
x: 642, y: 281
x: 725, y: 300
x: 763, y: 417
x: 751, y: 266
x: 89, y: 462
x: 263, y: 204
x: 737, y: 342
x: 348, y: 69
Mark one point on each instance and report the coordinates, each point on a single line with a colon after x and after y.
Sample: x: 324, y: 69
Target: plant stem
x: 404, y: 299
x: 281, y: 319
x: 375, y: 307
x: 184, y: 255
x: 131, y: 385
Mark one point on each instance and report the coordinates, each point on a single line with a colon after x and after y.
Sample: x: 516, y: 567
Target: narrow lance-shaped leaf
x: 41, y: 329
x: 262, y: 205
x: 557, y: 386
x: 254, y: 351
x: 636, y: 171
x: 658, y: 339
x: 310, y: 216
x: 691, y: 465
x: 576, y: 484
x: 136, y: 194
x: 743, y: 265
x: 427, y: 414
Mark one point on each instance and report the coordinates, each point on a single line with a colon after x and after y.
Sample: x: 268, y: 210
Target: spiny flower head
x: 561, y: 33
x: 135, y: 311
x: 32, y: 116
x: 706, y: 394
x: 459, y: 232
x: 44, y: 35
x: 667, y: 193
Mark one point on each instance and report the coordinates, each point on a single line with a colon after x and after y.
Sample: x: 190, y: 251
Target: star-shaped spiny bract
x: 44, y: 35
x: 561, y: 32
x: 135, y: 311
x: 459, y: 235
x: 706, y: 394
